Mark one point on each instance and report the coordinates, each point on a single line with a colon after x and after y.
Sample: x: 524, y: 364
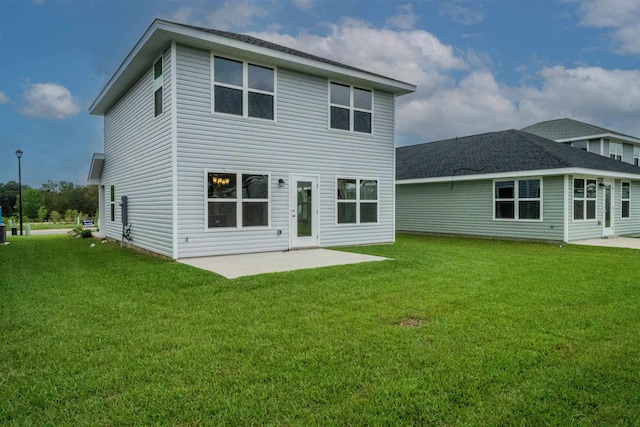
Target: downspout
x: 174, y: 147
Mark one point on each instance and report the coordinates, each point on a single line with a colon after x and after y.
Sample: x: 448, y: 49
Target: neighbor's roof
x: 563, y: 129
x: 502, y: 152
x: 161, y: 33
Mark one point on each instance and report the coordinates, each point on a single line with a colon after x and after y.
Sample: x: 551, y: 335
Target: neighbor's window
x: 583, y: 145
x: 357, y: 201
x: 636, y: 156
x: 584, y: 198
x: 518, y: 199
x: 237, y: 200
x: 350, y: 108
x: 113, y: 203
x: 243, y: 89
x: 626, y: 199
x: 158, y: 82
x: 615, y: 150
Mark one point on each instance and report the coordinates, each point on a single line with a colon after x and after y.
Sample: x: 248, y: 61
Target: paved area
x: 616, y: 242
x: 233, y: 266
x: 41, y: 232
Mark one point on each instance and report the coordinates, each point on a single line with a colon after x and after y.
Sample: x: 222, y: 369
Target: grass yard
x: 452, y: 332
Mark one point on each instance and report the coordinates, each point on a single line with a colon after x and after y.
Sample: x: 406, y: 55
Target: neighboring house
x: 513, y: 184
x: 594, y: 139
x: 223, y: 143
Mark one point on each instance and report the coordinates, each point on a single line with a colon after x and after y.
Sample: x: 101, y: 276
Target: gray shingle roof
x: 497, y: 152
x: 276, y: 47
x: 567, y: 128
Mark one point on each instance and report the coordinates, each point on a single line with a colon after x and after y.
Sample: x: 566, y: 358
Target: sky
x: 479, y: 66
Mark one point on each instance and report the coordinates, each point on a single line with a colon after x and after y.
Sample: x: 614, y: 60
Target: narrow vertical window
x: 113, y: 203
x: 636, y: 156
x: 626, y: 200
x: 158, y: 82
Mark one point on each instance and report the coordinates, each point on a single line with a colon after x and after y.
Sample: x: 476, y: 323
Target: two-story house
x: 594, y: 139
x: 223, y: 143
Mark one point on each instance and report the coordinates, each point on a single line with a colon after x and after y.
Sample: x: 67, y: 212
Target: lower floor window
x: 518, y: 199
x: 357, y: 201
x: 584, y: 199
x: 237, y: 200
x: 626, y: 200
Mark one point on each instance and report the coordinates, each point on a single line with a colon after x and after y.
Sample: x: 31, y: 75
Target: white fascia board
x: 614, y: 136
x: 520, y: 174
x: 95, y: 171
x: 161, y: 33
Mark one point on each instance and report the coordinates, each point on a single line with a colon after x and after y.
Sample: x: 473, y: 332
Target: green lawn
x: 451, y: 332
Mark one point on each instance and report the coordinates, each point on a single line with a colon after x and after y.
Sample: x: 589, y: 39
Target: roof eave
x: 160, y: 34
x: 95, y: 171
x: 601, y: 135
x: 523, y: 173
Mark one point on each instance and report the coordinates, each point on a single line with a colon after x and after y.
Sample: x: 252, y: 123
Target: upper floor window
x: 636, y: 156
x: 351, y: 108
x: 626, y: 200
x: 583, y: 145
x: 158, y: 82
x: 584, y: 198
x: 518, y: 199
x: 243, y: 89
x: 615, y: 150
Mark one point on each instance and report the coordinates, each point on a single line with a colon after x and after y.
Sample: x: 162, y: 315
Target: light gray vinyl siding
x: 298, y: 142
x: 138, y: 164
x: 628, y: 226
x: 466, y: 208
x: 627, y: 153
x: 585, y: 229
x: 595, y: 146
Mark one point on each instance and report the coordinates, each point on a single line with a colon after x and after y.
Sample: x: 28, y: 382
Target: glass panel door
x: 304, y: 211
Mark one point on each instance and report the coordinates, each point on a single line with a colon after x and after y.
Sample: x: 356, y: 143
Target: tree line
x: 54, y: 201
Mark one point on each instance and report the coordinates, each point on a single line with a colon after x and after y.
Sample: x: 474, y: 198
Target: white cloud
x: 49, y: 100
x: 621, y: 16
x: 458, y: 93
x: 405, y: 19
x: 461, y: 14
x: 303, y: 4
x: 230, y: 16
x: 4, y: 99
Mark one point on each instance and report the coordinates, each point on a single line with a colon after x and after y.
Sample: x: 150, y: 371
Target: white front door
x: 304, y: 211
x: 607, y: 213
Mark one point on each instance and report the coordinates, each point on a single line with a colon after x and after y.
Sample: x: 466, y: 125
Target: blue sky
x: 480, y: 66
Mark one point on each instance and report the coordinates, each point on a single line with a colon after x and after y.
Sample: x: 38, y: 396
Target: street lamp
x: 19, y: 155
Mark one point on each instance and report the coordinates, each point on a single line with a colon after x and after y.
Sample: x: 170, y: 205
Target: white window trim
x: 112, y: 203
x: 622, y: 199
x: 357, y: 200
x: 158, y: 83
x: 618, y: 152
x: 516, y: 199
x: 238, y: 200
x: 636, y: 156
x: 245, y: 88
x: 351, y: 108
x: 585, y: 198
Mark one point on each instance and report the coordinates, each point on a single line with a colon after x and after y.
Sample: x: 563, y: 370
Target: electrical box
x: 125, y: 208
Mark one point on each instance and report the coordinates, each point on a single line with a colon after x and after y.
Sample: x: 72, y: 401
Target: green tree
x: 55, y: 216
x: 8, y: 197
x: 43, y: 212
x: 32, y: 199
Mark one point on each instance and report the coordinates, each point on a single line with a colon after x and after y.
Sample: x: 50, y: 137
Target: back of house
x: 221, y: 143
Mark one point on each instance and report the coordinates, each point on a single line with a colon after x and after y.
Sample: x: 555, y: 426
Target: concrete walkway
x: 616, y: 242
x: 41, y: 232
x: 233, y: 266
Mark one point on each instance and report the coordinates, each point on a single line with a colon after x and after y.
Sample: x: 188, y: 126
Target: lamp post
x: 19, y: 156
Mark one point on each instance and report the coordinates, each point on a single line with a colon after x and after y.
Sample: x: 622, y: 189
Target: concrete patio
x: 615, y: 242
x: 233, y: 266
